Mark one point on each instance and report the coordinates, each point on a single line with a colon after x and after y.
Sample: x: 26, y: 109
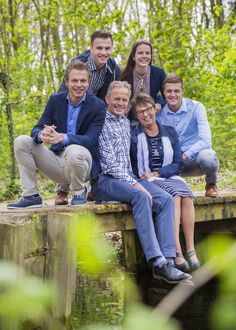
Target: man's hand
x: 148, y: 175
x: 185, y: 157
x: 50, y: 135
x: 137, y: 185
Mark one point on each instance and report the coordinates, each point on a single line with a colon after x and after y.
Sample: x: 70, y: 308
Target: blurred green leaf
x: 94, y: 253
x: 23, y: 296
x: 139, y: 317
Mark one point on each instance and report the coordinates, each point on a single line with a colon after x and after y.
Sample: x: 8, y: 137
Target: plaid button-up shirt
x: 97, y: 76
x: 114, y: 148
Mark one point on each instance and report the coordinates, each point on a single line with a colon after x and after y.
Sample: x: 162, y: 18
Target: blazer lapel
x: 63, y: 112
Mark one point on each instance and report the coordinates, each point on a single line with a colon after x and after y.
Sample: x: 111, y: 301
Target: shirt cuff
x: 38, y: 137
x: 65, y: 140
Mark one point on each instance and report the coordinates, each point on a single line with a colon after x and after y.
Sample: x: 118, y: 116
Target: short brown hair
x: 78, y: 65
x: 142, y: 98
x: 173, y: 78
x: 101, y: 34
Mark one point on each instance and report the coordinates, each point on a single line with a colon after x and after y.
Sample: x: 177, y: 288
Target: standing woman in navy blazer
x: 142, y: 75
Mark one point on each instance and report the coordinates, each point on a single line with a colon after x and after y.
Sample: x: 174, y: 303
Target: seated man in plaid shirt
x: 152, y: 209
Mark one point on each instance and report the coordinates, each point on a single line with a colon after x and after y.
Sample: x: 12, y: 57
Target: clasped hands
x: 50, y: 135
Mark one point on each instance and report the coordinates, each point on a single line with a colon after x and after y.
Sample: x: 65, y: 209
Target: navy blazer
x: 175, y: 167
x: 157, y: 76
x: 88, y: 127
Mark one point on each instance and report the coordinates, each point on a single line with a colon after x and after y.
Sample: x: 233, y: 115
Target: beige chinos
x: 70, y: 167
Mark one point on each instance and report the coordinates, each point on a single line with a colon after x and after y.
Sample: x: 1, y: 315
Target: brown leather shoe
x: 211, y: 190
x: 90, y: 197
x: 61, y: 198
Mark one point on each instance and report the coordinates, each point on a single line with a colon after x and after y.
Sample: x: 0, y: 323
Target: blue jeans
x: 206, y: 162
x: 154, y: 221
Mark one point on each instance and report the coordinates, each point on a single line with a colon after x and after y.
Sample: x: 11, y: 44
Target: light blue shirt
x: 72, y: 116
x: 191, y: 125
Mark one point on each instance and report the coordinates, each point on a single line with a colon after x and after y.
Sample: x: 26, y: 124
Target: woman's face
x: 142, y: 56
x: 146, y: 114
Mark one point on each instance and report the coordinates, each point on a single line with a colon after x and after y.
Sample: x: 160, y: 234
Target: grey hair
x: 118, y: 84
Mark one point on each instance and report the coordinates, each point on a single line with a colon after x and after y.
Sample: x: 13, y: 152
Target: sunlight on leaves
x: 94, y: 253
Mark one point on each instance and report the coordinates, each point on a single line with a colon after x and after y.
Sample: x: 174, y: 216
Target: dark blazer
x: 88, y: 128
x: 175, y: 167
x: 157, y: 76
x: 110, y: 76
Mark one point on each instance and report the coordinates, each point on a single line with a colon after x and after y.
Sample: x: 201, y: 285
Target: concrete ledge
x: 36, y: 238
x: 222, y: 207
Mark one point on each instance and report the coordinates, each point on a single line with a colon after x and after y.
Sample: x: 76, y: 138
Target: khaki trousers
x: 70, y: 167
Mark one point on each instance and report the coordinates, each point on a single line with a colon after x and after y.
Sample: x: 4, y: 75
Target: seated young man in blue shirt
x: 189, y: 119
x: 152, y: 208
x: 71, y: 124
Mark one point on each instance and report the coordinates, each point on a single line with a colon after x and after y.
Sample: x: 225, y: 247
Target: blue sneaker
x: 26, y: 202
x: 80, y: 199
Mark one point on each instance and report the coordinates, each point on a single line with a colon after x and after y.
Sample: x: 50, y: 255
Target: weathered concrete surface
x: 36, y: 238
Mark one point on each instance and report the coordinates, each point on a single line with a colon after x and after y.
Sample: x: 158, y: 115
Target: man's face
x: 173, y: 94
x: 145, y: 113
x: 118, y: 101
x: 77, y: 84
x: 101, y: 50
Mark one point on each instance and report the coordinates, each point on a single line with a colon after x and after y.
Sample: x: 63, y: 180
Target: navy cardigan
x: 175, y: 167
x: 110, y: 76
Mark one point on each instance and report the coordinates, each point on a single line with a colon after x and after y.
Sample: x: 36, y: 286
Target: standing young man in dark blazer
x: 71, y: 123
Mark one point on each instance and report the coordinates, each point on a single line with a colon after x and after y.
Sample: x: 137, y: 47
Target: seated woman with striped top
x: 156, y: 156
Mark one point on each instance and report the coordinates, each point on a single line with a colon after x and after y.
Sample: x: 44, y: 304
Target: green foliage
x: 38, y: 39
x: 94, y: 253
x: 22, y: 296
x: 220, y: 251
x: 139, y: 317
x: 142, y: 318
x: 94, y: 258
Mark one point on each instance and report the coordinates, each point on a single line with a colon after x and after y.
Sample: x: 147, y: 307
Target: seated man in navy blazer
x: 71, y: 123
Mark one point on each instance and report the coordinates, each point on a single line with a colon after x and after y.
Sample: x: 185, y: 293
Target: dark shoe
x: 61, y: 198
x: 90, y: 197
x: 211, y: 190
x: 26, y: 202
x: 184, y: 267
x: 170, y: 274
x: 80, y: 199
x: 193, y: 264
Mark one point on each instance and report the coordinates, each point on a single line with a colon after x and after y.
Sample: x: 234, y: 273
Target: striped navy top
x: 156, y: 152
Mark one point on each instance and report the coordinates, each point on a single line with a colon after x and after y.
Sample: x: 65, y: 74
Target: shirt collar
x: 110, y: 115
x: 78, y: 104
x: 92, y: 66
x: 183, y: 108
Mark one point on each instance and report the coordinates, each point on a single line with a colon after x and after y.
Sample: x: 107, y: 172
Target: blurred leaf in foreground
x: 94, y: 253
x: 23, y: 296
